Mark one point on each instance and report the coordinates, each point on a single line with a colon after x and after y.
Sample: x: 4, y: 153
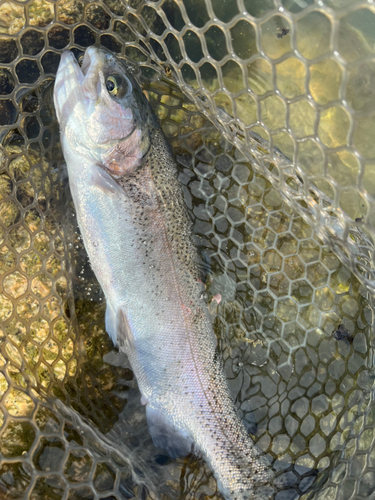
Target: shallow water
x: 73, y: 423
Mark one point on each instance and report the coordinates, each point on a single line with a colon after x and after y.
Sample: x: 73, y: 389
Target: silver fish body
x: 137, y: 234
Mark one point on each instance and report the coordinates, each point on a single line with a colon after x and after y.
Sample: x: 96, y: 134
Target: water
x: 72, y: 421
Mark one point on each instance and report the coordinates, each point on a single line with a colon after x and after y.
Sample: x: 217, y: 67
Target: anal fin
x: 166, y: 436
x: 117, y: 327
x: 111, y: 322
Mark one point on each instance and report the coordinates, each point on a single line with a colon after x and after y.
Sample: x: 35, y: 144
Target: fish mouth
x: 89, y: 57
x: 75, y: 83
x: 69, y: 64
x: 68, y: 82
x: 69, y: 69
x: 92, y: 71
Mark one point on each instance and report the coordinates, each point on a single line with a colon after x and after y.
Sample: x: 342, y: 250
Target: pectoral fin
x: 175, y: 442
x: 104, y: 181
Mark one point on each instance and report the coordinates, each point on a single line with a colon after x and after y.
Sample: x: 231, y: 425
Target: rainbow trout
x: 137, y: 234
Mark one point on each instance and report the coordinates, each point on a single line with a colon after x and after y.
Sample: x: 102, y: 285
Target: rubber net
x: 269, y: 106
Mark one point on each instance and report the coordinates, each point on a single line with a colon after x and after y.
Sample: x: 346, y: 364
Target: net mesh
x: 269, y: 107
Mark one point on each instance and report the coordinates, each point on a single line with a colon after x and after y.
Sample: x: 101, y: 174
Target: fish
x: 138, y: 236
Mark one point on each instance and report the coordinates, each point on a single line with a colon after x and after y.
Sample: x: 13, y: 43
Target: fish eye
x: 117, y: 85
x: 80, y: 59
x: 112, y: 85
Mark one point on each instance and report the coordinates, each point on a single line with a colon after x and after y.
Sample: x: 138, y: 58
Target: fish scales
x: 137, y: 233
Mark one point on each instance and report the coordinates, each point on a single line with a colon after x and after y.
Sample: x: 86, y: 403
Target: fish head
x: 104, y: 116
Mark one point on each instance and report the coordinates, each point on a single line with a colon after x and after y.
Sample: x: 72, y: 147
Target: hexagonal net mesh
x: 269, y: 107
